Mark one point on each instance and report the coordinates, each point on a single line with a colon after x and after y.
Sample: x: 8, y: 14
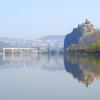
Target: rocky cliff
x: 77, y: 33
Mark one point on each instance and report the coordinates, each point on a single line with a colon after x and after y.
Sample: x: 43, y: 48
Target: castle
x: 87, y: 27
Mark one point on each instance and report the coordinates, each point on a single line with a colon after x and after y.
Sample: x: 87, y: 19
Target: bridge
x: 21, y: 50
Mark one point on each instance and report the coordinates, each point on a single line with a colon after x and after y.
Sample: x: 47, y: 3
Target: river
x: 49, y: 77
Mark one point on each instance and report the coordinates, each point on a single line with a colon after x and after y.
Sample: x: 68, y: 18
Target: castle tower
x: 87, y: 22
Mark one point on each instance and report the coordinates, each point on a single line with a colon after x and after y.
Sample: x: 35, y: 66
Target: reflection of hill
x: 52, y: 62
x: 84, y: 68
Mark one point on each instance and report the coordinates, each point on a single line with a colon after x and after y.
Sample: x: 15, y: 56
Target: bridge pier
x: 12, y: 51
x: 3, y: 51
x: 21, y: 51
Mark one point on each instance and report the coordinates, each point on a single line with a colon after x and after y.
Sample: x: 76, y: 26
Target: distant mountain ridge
x: 16, y: 42
x: 52, y: 37
x: 52, y: 40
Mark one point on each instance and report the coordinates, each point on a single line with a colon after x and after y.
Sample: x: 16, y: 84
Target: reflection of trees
x: 84, y: 68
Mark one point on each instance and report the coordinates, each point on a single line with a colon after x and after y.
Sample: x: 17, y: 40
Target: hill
x: 53, y: 42
x: 3, y: 44
x: 53, y: 37
x: 84, y: 38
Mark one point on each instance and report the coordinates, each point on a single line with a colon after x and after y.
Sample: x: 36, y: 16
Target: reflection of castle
x: 83, y: 68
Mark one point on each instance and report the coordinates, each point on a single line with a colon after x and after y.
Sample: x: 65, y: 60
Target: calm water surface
x: 49, y: 77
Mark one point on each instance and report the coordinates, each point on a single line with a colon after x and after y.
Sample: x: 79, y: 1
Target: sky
x: 32, y: 19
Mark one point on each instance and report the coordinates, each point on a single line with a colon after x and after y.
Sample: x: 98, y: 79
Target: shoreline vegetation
x: 84, y: 39
x: 84, y: 49
x: 82, y: 53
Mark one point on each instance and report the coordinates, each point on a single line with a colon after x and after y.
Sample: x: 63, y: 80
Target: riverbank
x: 82, y: 52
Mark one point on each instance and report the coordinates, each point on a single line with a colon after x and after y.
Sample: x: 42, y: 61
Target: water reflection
x: 50, y: 62
x: 83, y: 68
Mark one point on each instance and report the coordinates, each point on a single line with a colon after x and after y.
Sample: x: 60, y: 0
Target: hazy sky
x: 32, y: 19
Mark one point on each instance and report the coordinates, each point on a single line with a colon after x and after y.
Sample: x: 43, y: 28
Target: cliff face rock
x: 77, y: 33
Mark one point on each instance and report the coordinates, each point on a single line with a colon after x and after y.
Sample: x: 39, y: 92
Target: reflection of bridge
x: 22, y: 50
